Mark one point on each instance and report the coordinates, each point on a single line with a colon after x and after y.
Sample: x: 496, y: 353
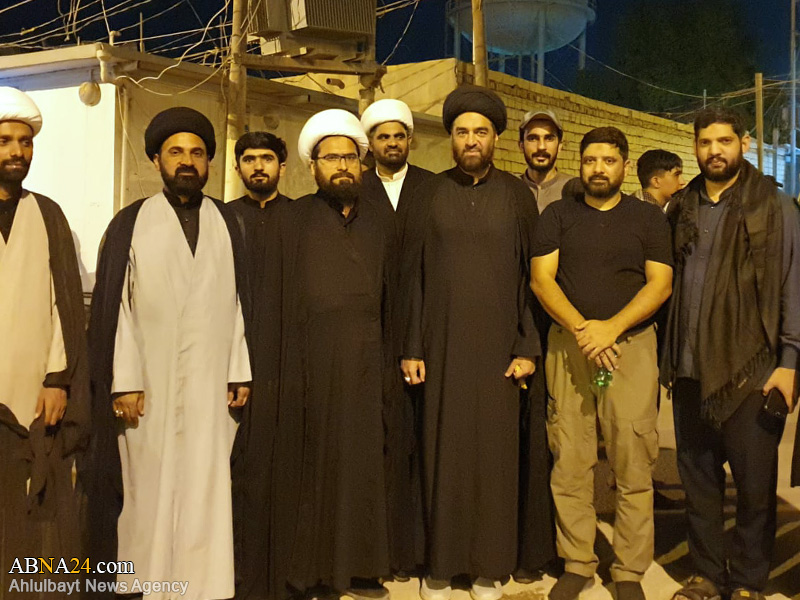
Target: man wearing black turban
x: 170, y: 369
x: 470, y: 336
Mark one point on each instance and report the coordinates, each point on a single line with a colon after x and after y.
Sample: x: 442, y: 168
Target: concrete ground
x: 672, y: 564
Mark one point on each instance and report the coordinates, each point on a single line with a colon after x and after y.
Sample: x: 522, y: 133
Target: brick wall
x: 424, y: 86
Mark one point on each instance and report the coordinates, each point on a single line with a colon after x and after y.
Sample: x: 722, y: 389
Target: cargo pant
x: 627, y: 413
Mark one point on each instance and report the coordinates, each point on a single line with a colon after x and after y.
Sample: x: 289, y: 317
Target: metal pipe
x: 540, y: 52
x: 792, y: 187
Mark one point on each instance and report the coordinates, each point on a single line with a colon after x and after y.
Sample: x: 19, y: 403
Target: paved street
x: 672, y: 562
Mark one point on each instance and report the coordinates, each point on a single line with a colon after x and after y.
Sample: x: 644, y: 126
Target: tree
x: 676, y: 45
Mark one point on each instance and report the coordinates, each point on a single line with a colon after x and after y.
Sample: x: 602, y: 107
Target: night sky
x: 768, y: 20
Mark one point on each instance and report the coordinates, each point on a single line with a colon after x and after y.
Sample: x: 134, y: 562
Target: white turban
x: 387, y: 110
x: 18, y: 106
x: 331, y: 122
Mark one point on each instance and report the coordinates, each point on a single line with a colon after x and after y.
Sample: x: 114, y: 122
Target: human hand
x: 129, y: 407
x: 238, y: 393
x: 413, y: 370
x: 52, y: 402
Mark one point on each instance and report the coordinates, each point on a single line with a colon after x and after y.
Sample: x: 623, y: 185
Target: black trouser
x: 748, y: 441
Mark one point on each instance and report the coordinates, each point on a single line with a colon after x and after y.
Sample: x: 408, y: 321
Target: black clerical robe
x: 466, y: 281
x: 329, y: 519
x: 43, y: 520
x: 401, y: 403
x: 251, y: 460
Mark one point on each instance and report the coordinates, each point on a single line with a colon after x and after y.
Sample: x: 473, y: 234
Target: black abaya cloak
x: 466, y: 279
x: 329, y: 520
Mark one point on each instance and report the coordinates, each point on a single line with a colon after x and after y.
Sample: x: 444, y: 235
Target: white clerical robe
x: 30, y: 328
x: 180, y: 339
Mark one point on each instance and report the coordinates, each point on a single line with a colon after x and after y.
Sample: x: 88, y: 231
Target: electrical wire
x: 402, y: 35
x: 180, y: 60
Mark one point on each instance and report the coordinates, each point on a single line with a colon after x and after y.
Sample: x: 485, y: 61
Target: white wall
x: 73, y: 163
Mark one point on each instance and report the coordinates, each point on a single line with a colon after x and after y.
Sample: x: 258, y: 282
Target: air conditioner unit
x: 334, y: 29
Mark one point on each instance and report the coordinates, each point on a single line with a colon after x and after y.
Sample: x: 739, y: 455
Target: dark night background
x: 761, y: 42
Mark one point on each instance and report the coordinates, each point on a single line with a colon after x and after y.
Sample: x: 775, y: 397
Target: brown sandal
x: 698, y: 588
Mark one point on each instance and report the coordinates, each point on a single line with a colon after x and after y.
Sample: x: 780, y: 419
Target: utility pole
x: 760, y: 119
x: 237, y: 97
x: 792, y: 187
x: 479, y: 60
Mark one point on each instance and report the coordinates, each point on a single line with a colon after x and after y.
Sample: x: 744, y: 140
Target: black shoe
x: 629, y: 590
x: 568, y: 587
x: 362, y: 588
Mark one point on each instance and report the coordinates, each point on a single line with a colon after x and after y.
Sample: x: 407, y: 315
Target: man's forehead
x: 389, y: 127
x: 472, y: 120
x: 183, y: 139
x: 337, y: 142
x: 15, y: 127
x: 717, y: 130
x: 541, y: 126
x: 259, y: 152
x: 602, y: 149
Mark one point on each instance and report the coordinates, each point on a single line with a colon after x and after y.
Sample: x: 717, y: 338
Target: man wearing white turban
x: 44, y: 403
x: 328, y: 522
x: 390, y: 188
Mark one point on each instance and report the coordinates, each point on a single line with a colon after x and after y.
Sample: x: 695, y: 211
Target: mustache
x: 541, y: 154
x: 343, y: 176
x: 598, y: 178
x: 187, y: 171
x: 711, y: 159
x: 15, y: 161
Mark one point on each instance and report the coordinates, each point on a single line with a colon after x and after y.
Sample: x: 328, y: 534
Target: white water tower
x: 517, y: 28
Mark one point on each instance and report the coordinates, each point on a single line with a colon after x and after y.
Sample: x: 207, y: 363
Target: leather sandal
x: 698, y: 588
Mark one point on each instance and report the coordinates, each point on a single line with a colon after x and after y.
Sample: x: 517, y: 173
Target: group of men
x: 402, y: 372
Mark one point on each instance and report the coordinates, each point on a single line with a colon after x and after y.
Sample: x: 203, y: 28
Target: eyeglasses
x: 334, y: 159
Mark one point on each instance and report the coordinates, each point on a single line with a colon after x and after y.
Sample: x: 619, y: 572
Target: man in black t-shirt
x: 601, y: 267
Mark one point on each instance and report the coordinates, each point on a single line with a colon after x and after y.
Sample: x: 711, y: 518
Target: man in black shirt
x: 733, y: 336
x: 601, y: 267
x: 260, y: 162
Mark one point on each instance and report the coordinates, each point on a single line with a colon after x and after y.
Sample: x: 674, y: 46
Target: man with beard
x: 733, y: 337
x: 601, y: 268
x: 661, y: 174
x: 329, y: 519
x: 390, y: 188
x: 260, y: 162
x: 44, y: 384
x: 540, y: 141
x: 170, y: 361
x: 471, y: 338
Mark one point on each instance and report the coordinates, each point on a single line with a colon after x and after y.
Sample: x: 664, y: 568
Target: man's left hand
x: 783, y: 379
x: 520, y: 369
x: 53, y: 403
x: 238, y: 393
x: 595, y: 336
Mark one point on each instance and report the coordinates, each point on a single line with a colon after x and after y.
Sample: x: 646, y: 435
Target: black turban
x: 471, y: 98
x: 180, y: 119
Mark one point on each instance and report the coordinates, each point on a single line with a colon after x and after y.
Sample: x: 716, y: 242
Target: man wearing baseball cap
x: 540, y: 141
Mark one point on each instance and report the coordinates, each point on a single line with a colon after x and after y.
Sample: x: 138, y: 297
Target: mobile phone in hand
x: 775, y: 405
